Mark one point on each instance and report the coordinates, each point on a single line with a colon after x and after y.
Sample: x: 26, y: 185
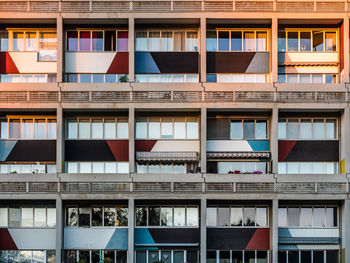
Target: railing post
x: 203, y: 230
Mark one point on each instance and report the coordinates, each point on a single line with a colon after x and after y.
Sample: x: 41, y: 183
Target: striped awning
x: 167, y: 156
x: 217, y: 155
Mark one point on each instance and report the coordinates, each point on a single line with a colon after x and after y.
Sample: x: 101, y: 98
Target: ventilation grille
x: 106, y: 6
x: 254, y: 6
x: 187, y: 6
x: 75, y: 6
x: 218, y: 6
x: 295, y: 6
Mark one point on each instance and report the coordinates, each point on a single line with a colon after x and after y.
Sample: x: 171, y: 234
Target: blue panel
x: 284, y: 232
x: 5, y: 149
x: 144, y: 63
x: 119, y: 239
x: 143, y: 236
x: 260, y: 145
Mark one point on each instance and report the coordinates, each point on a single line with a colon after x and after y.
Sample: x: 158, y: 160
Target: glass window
x: 260, y: 130
x: 236, y: 131
x: 248, y: 41
x: 292, y: 41
x: 236, y: 216
x: 249, y: 256
x: 141, y: 41
x: 31, y: 41
x: 122, y: 41
x: 211, y: 216
x: 248, y: 129
x: 51, y: 217
x: 318, y: 256
x: 72, y: 43
x: 14, y: 256
x: 318, y: 168
x: 167, y: 41
x: 292, y: 78
x: 331, y: 217
x: 305, y: 168
x: 223, y: 40
x: 304, y: 78
x: 237, y: 256
x: 317, y: 40
x: 84, y: 40
x: 179, y: 41
x: 167, y: 128
x: 154, y: 128
x: 261, y: 41
x: 25, y: 256
x: 72, y: 219
x: 179, y: 128
x: 331, y: 41
x: 84, y: 256
x: 40, y: 217
x: 122, y: 129
x: 305, y: 256
x: 141, y: 216
x: 153, y: 216
x: 85, y: 78
x: 72, y: 167
x: 122, y: 216
x: 236, y: 41
x: 154, y: 41
x: 192, y: 216
x: 85, y: 167
x: 211, y: 41
x: 223, y: 216
x: 121, y: 256
x: 282, y: 217
x: 261, y: 216
x: 166, y: 216
x: 96, y: 218
x: 110, y: 78
x: 281, y: 41
x: 249, y: 216
x: 293, y: 129
x: 109, y: 129
x: 97, y: 129
x: 318, y: 129
x: 319, y: 217
x: 305, y: 129
x: 3, y: 216
x: 192, y: 128
x: 282, y: 256
x: 14, y: 217
x: 4, y: 41
x: 179, y: 216
x: 192, y: 41
x: 317, y: 78
x: 97, y: 78
x: 261, y: 256
x: 84, y: 216
x: 179, y: 256
x: 293, y: 256
x: 98, y: 167
x: 305, y: 41
x: 282, y: 129
x: 141, y: 257
x: 306, y: 216
x: 27, y: 217
x: 72, y: 129
x: 153, y: 256
x: 18, y: 41
x: 331, y: 129
x: 40, y: 129
x: 332, y: 256
x: 224, y: 256
x: 293, y: 216
x: 84, y: 129
x: 109, y: 216
x: 97, y: 41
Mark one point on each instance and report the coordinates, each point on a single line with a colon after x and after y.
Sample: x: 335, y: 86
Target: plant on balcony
x: 108, y: 260
x: 123, y: 78
x: 235, y: 172
x: 257, y: 172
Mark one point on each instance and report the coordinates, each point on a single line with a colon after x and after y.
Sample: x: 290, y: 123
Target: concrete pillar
x: 346, y: 49
x: 274, y: 231
x: 59, y: 230
x: 203, y: 140
x: 345, y: 231
x: 203, y: 49
x: 203, y: 229
x: 274, y: 50
x: 274, y: 140
x: 59, y: 140
x: 131, y: 215
x: 131, y: 35
x: 344, y: 141
x: 131, y: 140
x: 60, y: 47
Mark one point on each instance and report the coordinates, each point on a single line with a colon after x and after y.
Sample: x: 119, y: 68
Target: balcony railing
x: 174, y: 6
x: 172, y: 96
x: 179, y: 183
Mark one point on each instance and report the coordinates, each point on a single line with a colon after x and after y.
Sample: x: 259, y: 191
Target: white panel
x: 176, y: 146
x: 312, y: 69
x: 27, y: 62
x: 88, y: 62
x: 228, y: 146
x: 34, y: 238
x: 308, y: 57
x: 314, y: 232
x: 316, y: 246
x: 87, y: 238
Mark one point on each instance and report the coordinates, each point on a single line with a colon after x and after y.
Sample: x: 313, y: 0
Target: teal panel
x: 5, y: 149
x: 143, y: 236
x: 260, y: 145
x: 119, y: 239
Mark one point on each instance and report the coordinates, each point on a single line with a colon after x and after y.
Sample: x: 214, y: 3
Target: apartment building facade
x: 174, y: 131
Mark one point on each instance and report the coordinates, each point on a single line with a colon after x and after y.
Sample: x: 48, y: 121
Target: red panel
x: 120, y: 64
x: 260, y: 240
x: 284, y: 148
x: 7, y: 66
x: 6, y: 241
x: 144, y: 145
x: 120, y: 149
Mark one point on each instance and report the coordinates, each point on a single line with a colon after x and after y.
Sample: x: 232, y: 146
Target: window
x: 249, y: 256
x: 166, y: 256
x: 167, y: 128
x: 97, y: 216
x: 312, y: 216
x: 167, y: 216
x: 167, y: 78
x: 301, y: 256
x: 237, y: 40
x: 307, y: 78
x: 166, y: 40
x: 307, y: 40
x: 248, y: 129
x: 307, y: 128
x: 96, y: 78
x: 241, y: 167
x: 97, y: 167
x: 307, y: 168
x: 101, y: 128
x: 37, y: 256
x: 237, y: 216
x: 4, y: 41
x: 97, y: 40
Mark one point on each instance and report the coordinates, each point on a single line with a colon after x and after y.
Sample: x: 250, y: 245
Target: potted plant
x: 123, y: 78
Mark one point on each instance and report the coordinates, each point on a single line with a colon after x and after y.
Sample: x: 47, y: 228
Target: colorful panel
x: 28, y: 151
x: 7, y: 66
x: 97, y: 150
x: 95, y: 238
x: 6, y: 240
x: 308, y: 236
x: 238, y: 62
x: 120, y: 64
x: 166, y: 146
x: 238, y: 238
x: 238, y: 145
x: 166, y: 62
x: 166, y: 236
x: 308, y: 151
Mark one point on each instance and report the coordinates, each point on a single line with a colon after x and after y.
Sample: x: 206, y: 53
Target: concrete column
x: 131, y: 140
x: 59, y: 140
x: 59, y: 230
x: 346, y: 72
x: 203, y: 140
x: 203, y: 49
x: 274, y: 50
x: 131, y: 35
x: 60, y: 47
x: 274, y: 231
x: 131, y: 215
x: 345, y: 231
x: 203, y: 229
x: 274, y: 140
x: 344, y: 141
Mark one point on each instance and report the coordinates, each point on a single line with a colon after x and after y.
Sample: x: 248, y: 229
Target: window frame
x: 255, y: 121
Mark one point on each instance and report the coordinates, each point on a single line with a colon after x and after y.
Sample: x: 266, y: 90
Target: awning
x: 293, y: 64
x: 167, y: 156
x: 308, y: 240
x: 217, y: 155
